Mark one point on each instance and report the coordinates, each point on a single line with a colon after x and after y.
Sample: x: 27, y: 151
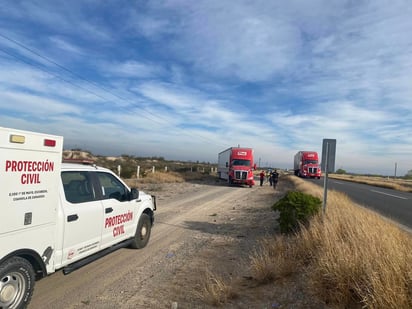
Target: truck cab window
x: 112, y: 187
x: 241, y: 162
x: 77, y: 187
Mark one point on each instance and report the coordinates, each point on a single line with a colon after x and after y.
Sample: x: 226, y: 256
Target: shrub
x: 296, y: 208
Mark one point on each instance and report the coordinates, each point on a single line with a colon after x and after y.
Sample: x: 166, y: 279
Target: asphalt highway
x: 395, y: 205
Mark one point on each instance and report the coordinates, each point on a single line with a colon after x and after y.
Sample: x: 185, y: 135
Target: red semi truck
x: 236, y: 165
x: 306, y: 164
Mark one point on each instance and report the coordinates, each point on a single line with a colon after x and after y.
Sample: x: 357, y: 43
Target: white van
x: 59, y: 215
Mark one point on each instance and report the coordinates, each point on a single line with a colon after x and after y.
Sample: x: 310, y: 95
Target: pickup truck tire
x: 16, y: 283
x: 141, y: 238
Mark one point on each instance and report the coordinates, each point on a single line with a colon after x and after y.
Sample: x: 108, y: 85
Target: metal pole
x: 137, y: 175
x: 396, y: 165
x: 325, y: 179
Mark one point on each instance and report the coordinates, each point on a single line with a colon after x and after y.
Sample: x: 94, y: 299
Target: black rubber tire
x: 16, y: 283
x: 143, y: 230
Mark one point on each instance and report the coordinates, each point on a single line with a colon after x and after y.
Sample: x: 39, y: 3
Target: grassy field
x: 170, y: 177
x: 385, y: 182
x: 350, y: 257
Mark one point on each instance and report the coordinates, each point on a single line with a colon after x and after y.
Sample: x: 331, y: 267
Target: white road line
x: 338, y: 182
x: 380, y: 192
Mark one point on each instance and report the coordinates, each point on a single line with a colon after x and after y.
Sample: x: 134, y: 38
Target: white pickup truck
x: 58, y: 215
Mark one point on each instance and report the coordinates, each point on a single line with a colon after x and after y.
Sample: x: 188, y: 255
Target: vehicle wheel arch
x: 33, y: 258
x: 150, y: 213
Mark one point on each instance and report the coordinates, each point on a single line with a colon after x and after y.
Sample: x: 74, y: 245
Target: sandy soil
x: 200, y: 229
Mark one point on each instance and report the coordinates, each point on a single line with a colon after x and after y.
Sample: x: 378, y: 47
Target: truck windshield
x: 241, y: 162
x: 311, y: 162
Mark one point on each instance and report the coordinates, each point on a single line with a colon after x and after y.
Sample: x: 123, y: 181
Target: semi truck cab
x: 236, y: 166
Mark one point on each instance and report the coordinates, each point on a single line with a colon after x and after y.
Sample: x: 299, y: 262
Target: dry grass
x: 390, y: 183
x: 156, y: 178
x: 170, y: 177
x: 215, y: 290
x: 276, y: 258
x: 162, y: 177
x: 352, y: 257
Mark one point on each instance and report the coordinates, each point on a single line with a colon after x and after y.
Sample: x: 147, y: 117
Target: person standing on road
x: 275, y: 178
x: 262, y: 177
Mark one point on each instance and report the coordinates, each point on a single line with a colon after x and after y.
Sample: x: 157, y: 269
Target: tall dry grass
x: 275, y: 259
x: 351, y: 257
x: 215, y: 290
x: 390, y: 183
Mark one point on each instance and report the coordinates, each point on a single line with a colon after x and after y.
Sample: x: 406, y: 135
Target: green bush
x: 296, y: 208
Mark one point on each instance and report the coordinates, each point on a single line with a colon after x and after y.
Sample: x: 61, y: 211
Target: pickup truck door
x: 120, y: 218
x: 83, y: 216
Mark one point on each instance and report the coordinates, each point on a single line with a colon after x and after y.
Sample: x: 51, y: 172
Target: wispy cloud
x: 186, y: 79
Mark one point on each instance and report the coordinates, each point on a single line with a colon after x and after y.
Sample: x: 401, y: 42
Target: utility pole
x: 396, y: 165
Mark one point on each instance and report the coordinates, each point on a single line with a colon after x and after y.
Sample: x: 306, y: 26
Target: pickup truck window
x: 112, y: 187
x: 77, y: 187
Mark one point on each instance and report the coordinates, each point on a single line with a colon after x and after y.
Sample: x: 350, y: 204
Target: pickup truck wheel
x: 141, y: 238
x: 16, y: 283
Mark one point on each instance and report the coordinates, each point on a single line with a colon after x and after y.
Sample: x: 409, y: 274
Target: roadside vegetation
x: 349, y: 258
x: 147, y: 166
x: 152, y: 170
x: 215, y: 289
x: 400, y: 184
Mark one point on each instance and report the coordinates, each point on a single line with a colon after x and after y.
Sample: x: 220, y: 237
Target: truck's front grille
x: 240, y: 175
x: 312, y: 170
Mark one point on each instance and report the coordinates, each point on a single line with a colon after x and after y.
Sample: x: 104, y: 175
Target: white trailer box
x: 223, y: 163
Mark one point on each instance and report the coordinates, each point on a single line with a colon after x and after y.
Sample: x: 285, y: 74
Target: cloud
x: 192, y: 78
x: 133, y: 69
x: 64, y: 45
x: 253, y: 46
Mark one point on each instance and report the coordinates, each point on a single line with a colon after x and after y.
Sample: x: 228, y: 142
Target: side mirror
x: 134, y: 194
x: 254, y: 166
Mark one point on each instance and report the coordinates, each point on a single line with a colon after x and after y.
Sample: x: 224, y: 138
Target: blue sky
x: 187, y: 79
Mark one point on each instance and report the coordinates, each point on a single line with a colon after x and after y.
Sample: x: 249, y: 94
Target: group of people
x: 273, y: 178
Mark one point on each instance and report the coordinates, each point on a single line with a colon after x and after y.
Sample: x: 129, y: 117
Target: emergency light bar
x: 79, y: 161
x: 49, y: 142
x: 19, y: 139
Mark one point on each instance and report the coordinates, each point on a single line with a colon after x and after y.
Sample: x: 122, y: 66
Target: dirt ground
x: 202, y: 231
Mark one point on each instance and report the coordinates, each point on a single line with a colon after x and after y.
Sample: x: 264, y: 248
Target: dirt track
x: 198, y: 228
